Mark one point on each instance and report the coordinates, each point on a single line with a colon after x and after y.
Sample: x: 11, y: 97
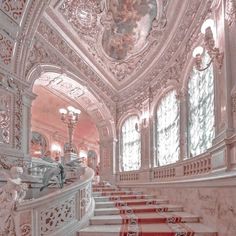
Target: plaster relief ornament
x: 11, y: 193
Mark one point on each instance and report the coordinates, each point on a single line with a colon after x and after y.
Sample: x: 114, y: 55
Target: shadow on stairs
x: 126, y: 213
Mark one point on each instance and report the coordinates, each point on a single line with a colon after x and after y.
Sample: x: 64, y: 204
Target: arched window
x: 167, y: 133
x: 130, y: 145
x: 200, y: 110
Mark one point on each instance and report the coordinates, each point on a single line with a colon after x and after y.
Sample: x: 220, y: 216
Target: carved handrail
x: 61, y: 212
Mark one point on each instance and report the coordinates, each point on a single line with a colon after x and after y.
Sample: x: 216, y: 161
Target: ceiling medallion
x: 82, y: 14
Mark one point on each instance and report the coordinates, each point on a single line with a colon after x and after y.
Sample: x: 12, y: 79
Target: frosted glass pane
x: 168, y: 130
x: 131, y: 145
x: 201, y: 110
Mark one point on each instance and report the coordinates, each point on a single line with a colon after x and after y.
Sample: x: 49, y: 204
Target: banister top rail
x: 60, y: 193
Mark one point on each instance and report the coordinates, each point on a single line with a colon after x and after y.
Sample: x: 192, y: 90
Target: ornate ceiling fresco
x: 130, y: 25
x: 115, y: 34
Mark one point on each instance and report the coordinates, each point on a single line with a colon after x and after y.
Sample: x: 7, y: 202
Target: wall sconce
x: 209, y: 43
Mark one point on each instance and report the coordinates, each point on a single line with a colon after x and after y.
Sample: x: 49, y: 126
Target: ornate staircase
x: 127, y: 213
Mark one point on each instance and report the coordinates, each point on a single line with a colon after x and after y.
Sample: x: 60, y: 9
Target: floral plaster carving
x: 6, y: 49
x: 230, y: 11
x: 14, y: 9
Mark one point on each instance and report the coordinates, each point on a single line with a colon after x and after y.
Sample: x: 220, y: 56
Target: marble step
x: 123, y: 197
x: 115, y: 193
x: 109, y: 189
x: 139, y: 209
x: 164, y: 229
x: 130, y: 202
x: 163, y: 217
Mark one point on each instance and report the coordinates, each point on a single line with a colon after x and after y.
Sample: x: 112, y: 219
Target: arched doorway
x: 96, y: 126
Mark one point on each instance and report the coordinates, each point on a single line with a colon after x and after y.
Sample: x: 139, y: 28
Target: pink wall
x: 216, y: 205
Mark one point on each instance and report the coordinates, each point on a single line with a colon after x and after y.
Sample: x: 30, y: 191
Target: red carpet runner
x: 133, y: 212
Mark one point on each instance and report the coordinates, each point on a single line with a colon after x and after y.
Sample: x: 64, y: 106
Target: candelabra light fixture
x: 70, y: 116
x: 209, y: 44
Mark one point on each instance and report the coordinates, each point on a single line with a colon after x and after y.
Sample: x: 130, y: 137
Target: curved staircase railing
x: 59, y: 213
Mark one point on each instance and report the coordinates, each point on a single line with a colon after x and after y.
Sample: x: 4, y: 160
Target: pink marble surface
x: 215, y: 206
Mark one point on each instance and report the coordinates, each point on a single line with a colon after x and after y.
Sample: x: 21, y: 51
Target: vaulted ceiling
x: 124, y: 51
